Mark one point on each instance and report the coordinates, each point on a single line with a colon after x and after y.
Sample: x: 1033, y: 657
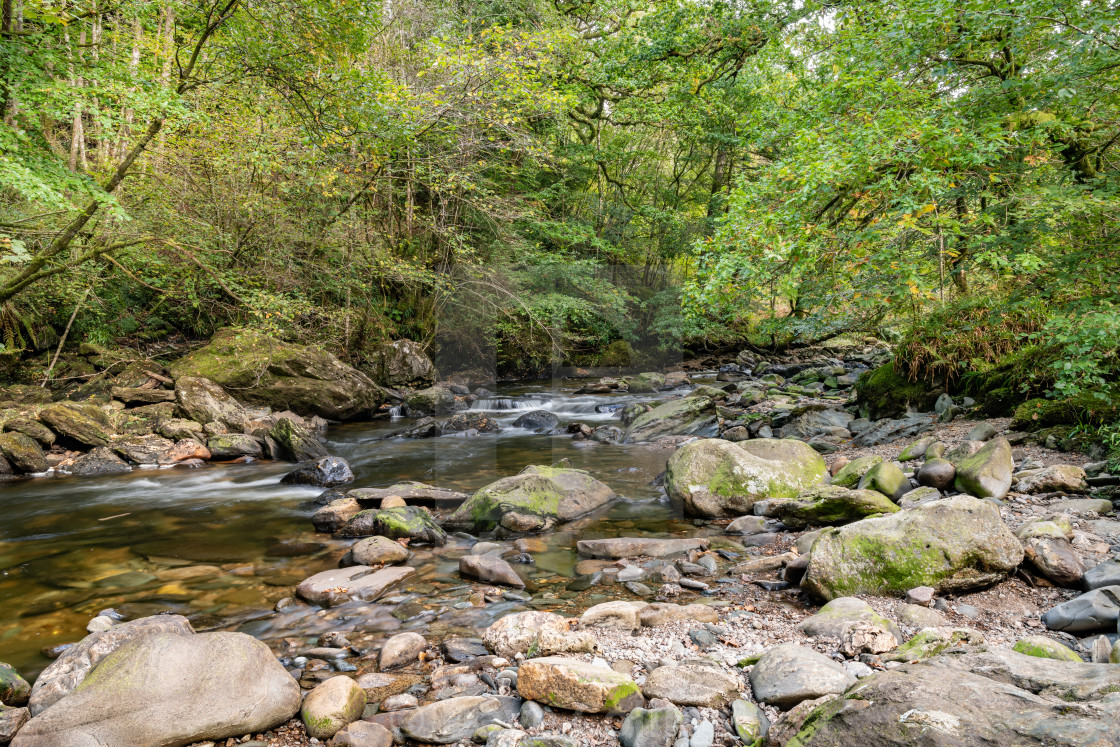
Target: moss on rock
x: 885, y: 393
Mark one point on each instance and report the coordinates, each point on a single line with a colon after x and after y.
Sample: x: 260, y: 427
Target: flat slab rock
x: 577, y: 685
x: 356, y: 582
x: 455, y: 719
x: 632, y: 547
x: 789, y: 674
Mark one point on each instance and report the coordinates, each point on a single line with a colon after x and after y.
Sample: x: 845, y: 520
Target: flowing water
x: 224, y: 543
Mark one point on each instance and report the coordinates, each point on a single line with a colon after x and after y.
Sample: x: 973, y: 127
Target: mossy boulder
x: 885, y: 393
x: 32, y: 428
x: 850, y: 474
x: 645, y: 382
x: 537, y: 499
x: 88, y: 425
x: 1045, y: 648
x: 713, y: 477
x: 689, y: 416
x: 832, y: 504
x: 207, y: 402
x: 284, y: 376
x: 576, y: 685
x: 886, y: 478
x: 14, y: 690
x: 23, y: 452
x: 987, y: 473
x: 436, y: 400
x: 297, y: 442
x: 953, y: 545
x: 1086, y: 408
x: 401, y: 363
x: 399, y: 522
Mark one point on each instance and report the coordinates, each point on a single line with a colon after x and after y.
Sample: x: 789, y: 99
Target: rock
x: 379, y: 686
x: 619, y: 615
x: 297, y: 443
x: 1093, y: 611
x: 98, y: 461
x: 536, y: 634
x: 713, y: 477
x: 834, y: 619
x: 11, y: 721
x: 401, y: 650
x: 412, y: 522
x: 401, y: 363
x: 916, y: 616
x: 490, y: 569
x: 916, y: 450
x: 867, y: 638
x: 656, y: 727
x: 399, y: 702
x: 748, y: 525
x: 703, y: 736
x: 376, y: 551
x: 889, y: 431
x: 1055, y: 558
x: 331, y: 706
x: 633, y: 547
x: 540, y: 421
x: 86, y: 424
x: 692, y: 684
x: 363, y: 734
x: 23, y: 452
x: 815, y: 423
x: 662, y: 613
x: 1104, y: 574
x: 850, y: 474
x: 537, y: 499
x: 140, y: 395
x: 205, y: 401
x: 1057, y: 478
x: 987, y: 473
x: 830, y: 504
x: 689, y: 416
x: 982, y: 432
x: 171, y: 690
x: 886, y: 478
x: 937, y: 473
x: 470, y: 421
x: 788, y: 674
x: 956, y: 544
x: 412, y: 493
x: 283, y: 376
x: 233, y: 446
x: 1070, y: 681
x: 455, y: 719
x: 749, y: 721
x: 1083, y: 505
x: 919, y: 496
x: 325, y: 472
x: 180, y: 428
x: 922, y: 595
x: 14, y: 690
x: 329, y: 588
x: 335, y: 515
x: 31, y: 428
x: 576, y: 685
x: 435, y: 400
x: 1045, y: 648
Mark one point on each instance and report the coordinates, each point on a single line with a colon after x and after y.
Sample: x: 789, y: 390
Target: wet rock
x: 576, y: 685
x: 662, y: 613
x: 987, y: 473
x: 376, y: 551
x: 456, y: 719
x: 540, y: 421
x: 937, y: 473
x: 23, y: 452
x: 14, y: 690
x: 331, y: 706
x: 334, y: 516
x: 1055, y: 558
x: 296, y: 442
x: 834, y: 619
x: 850, y: 474
x: 542, y: 633
x: 886, y: 478
x: 229, y: 446
x: 692, y: 684
x: 537, y: 499
x: 689, y: 416
x: 656, y: 727
x: 490, y: 569
x: 463, y: 649
x: 400, y: 650
x: 413, y: 522
x: 325, y: 472
x: 632, y: 547
x: 789, y: 674
x: 1057, y: 478
x: 955, y: 544
x: 1045, y: 648
x: 618, y: 615
x: 330, y: 588
x: 171, y: 690
x: 98, y: 461
x: 413, y: 493
x: 467, y: 421
x: 830, y: 504
x: 86, y: 424
x: 749, y: 721
x: 1093, y: 611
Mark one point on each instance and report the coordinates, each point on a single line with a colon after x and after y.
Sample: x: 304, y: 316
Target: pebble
x: 531, y: 714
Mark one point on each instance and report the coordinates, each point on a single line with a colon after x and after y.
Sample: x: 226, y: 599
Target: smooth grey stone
x: 1092, y: 611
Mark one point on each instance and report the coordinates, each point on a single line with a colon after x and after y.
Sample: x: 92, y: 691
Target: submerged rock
x: 491, y: 569
x: 540, y: 421
x: 632, y: 547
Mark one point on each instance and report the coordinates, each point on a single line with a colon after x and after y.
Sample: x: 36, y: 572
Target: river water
x: 224, y: 543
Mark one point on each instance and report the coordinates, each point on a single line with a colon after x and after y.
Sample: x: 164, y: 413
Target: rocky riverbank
x: 922, y: 577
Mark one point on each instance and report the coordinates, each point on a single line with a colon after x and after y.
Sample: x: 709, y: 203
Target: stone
x: 919, y: 496
x: 281, y: 375
x: 455, y: 719
x: 1046, y: 648
x: 936, y: 473
x: 916, y: 450
x: 23, y: 452
x: 576, y: 685
x: 749, y: 721
x: 987, y: 473
x: 932, y: 641
x: 1083, y: 505
x: 656, y: 727
x: 228, y: 446
x: 435, y: 400
x: 748, y: 525
x: 1070, y: 681
x: 703, y: 735
x: 11, y: 721
x: 401, y: 363
x: 490, y: 569
x: 952, y: 545
x: 67, y: 671
x: 298, y: 443
x: 463, y: 649
x: 982, y: 432
x: 330, y: 588
x: 164, y: 689
x: 205, y: 401
x: 98, y: 461
x: 362, y: 734
x: 412, y: 493
x: 699, y: 684
x: 379, y: 686
x: 662, y: 613
x: 921, y: 595
x: 815, y: 423
x: 619, y: 615
x: 376, y: 551
x: 399, y: 702
x: 835, y: 618
x: 1057, y: 478
x: 412, y: 522
x: 1093, y: 611
x: 325, y: 472
x: 889, y: 431
x: 86, y: 424
x: 532, y: 715
x: 867, y: 638
x: 537, y: 499
x: 886, y: 478
x: 916, y: 616
x: 335, y: 515
x: 714, y: 478
x: 1104, y: 574
x: 14, y: 690
x: 850, y: 474
x: 540, y: 421
x: 1055, y: 558
x: 401, y: 650
x: 788, y: 674
x: 331, y: 706
x: 632, y: 547
x: 32, y: 428
x: 688, y: 416
x: 536, y: 634
x: 831, y: 504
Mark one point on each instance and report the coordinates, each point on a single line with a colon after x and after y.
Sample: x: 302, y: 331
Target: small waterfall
x: 508, y: 403
x: 396, y: 411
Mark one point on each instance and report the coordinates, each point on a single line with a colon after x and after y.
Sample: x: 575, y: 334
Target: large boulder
x: 537, y: 499
x: 817, y: 423
x: 987, y: 473
x: 953, y: 545
x: 296, y: 442
x: 435, y: 400
x: 284, y: 376
x: 207, y: 402
x: 401, y: 363
x: 97, y: 461
x: 831, y: 504
x: 689, y: 416
x: 170, y: 690
x: 693, y: 683
x: 713, y: 477
x: 86, y: 424
x: 23, y: 452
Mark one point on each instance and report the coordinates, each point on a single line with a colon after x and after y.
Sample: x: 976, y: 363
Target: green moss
x: 620, y: 693
x: 1086, y: 408
x: 1045, y: 648
x: 885, y: 393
